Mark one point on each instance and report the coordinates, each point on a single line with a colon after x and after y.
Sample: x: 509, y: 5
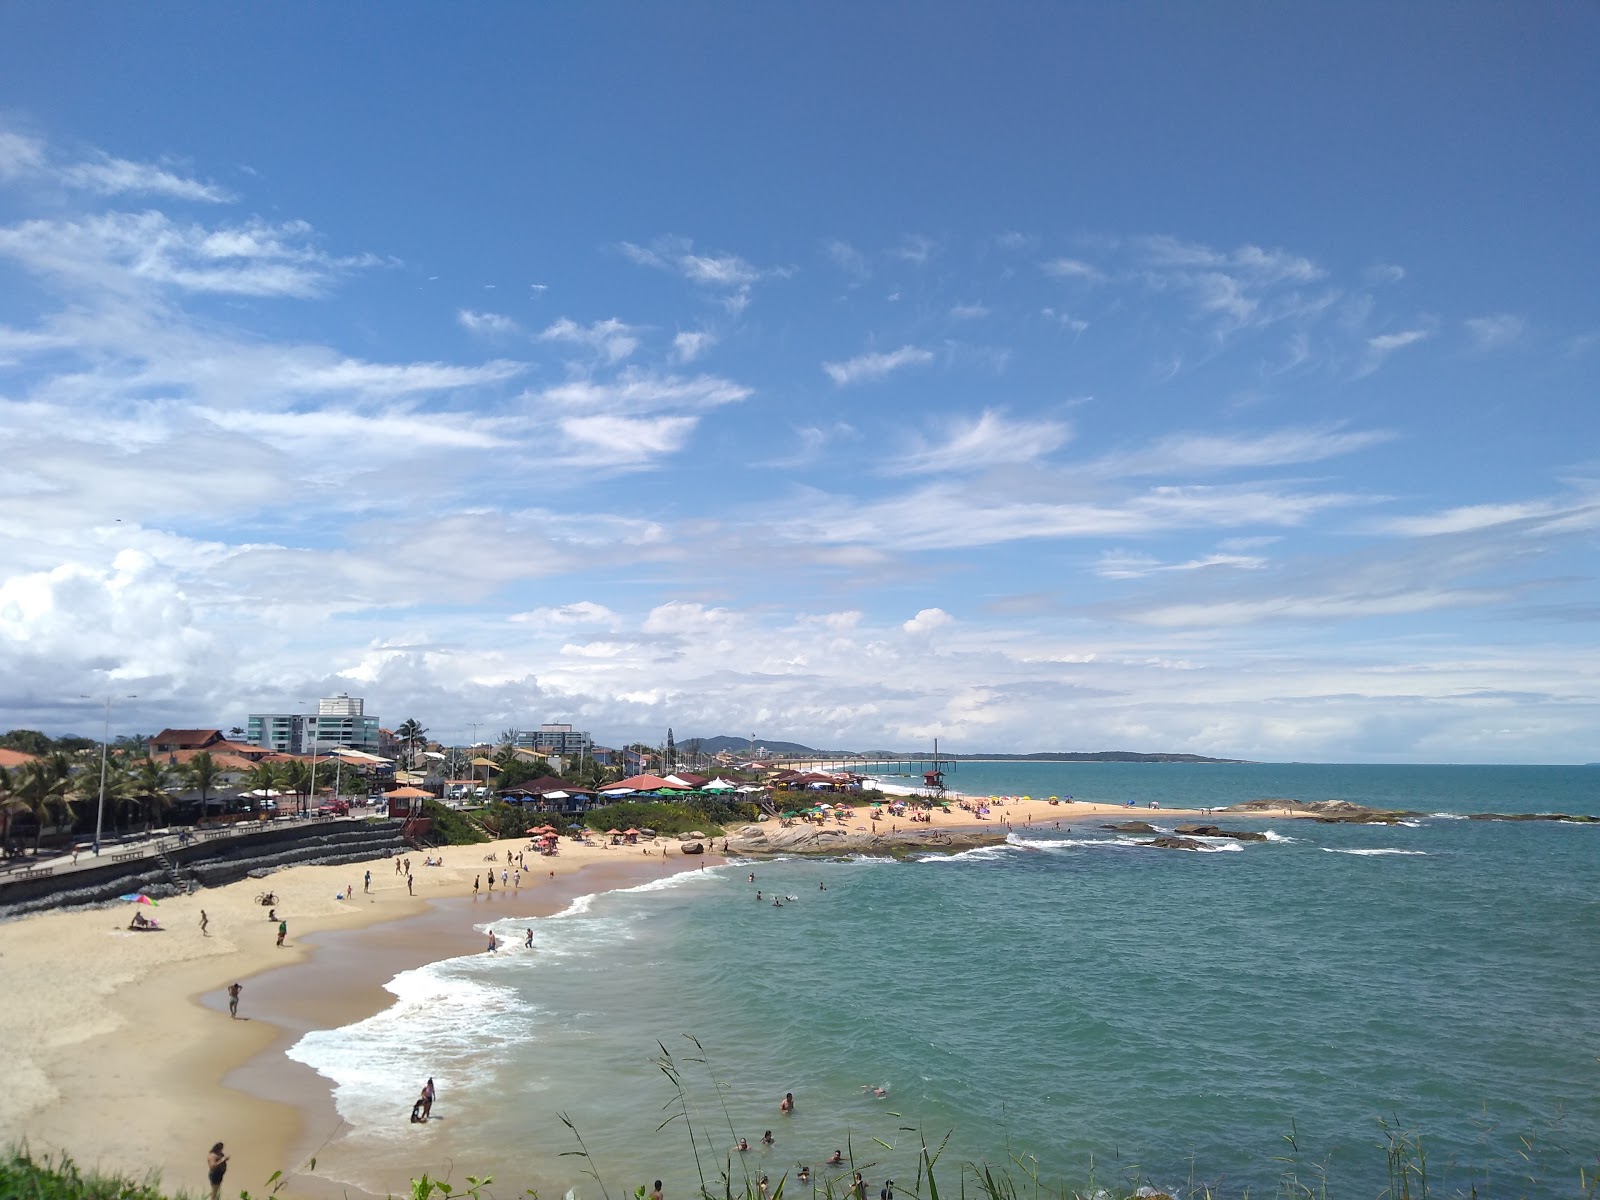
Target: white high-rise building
x: 339, y: 721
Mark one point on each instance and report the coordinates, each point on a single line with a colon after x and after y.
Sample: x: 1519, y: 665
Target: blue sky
x: 1216, y: 379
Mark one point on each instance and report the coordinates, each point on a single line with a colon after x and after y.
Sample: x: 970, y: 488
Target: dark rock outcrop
x: 1132, y: 827
x: 1329, y: 812
x: 1576, y: 820
x: 1215, y: 832
x: 1167, y: 842
x: 809, y: 839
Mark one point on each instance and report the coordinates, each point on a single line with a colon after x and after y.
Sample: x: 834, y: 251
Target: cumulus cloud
x: 927, y: 620
x: 487, y: 323
x: 873, y: 366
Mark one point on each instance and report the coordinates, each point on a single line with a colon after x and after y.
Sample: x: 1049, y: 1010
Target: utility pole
x: 105, y: 749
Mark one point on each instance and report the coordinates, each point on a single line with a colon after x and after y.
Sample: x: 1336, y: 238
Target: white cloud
x: 872, y: 366
x: 849, y: 260
x: 123, y: 251
x: 1120, y: 564
x: 23, y: 157
x: 611, y: 441
x: 487, y: 323
x: 968, y: 312
x: 611, y: 340
x: 1495, y: 332
x: 927, y: 620
x: 689, y: 345
x: 584, y: 612
x: 686, y: 618
x: 990, y: 440
x: 1073, y: 268
x: 1064, y: 319
x: 914, y: 248
x: 109, y: 176
x: 1387, y: 343
x: 1381, y: 346
x: 1384, y: 273
x: 1188, y: 453
x: 635, y: 391
x: 729, y: 275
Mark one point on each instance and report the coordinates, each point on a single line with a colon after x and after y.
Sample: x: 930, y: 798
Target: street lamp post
x: 105, y: 750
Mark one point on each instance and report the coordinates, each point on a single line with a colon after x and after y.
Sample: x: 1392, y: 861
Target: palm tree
x: 8, y: 805
x: 202, y: 772
x: 112, y: 795
x: 43, y: 788
x: 411, y: 734
x: 148, y: 784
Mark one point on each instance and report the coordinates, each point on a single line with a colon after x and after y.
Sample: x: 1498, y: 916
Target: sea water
x: 1070, y: 1002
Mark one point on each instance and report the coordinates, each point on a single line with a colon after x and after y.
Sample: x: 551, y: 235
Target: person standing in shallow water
x: 233, y: 999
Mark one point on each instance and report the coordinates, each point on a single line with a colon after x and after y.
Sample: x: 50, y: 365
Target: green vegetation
x: 31, y: 741
x: 450, y: 827
x: 671, y: 817
x: 25, y: 1178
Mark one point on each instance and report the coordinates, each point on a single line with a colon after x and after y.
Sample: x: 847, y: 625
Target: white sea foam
x: 1373, y: 852
x: 1274, y: 836
x: 1444, y: 816
x: 976, y: 854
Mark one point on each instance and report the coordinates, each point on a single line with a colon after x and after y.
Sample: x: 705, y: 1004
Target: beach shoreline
x: 123, y: 1052
x: 147, y: 1070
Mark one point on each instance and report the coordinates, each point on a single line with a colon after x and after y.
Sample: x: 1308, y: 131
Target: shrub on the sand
x: 667, y: 818
x: 451, y: 828
x: 22, y: 1175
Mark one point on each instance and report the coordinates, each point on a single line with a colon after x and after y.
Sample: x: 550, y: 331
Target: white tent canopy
x: 720, y: 785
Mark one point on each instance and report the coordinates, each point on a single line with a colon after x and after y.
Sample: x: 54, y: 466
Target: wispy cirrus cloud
x: 728, y: 275
x: 610, y: 340
x: 1380, y: 346
x: 690, y: 344
x: 129, y: 251
x: 873, y: 366
x: 1185, y: 454
x: 991, y: 439
x: 1495, y: 332
x: 23, y: 157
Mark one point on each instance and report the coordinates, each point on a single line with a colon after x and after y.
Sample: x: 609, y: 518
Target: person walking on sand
x: 409, y: 890
x: 204, y: 922
x: 233, y: 999
x: 366, y: 884
x: 216, y: 1168
x: 476, y: 879
x: 283, y: 930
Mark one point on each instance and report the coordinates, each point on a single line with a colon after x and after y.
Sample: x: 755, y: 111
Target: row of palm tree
x: 55, y: 792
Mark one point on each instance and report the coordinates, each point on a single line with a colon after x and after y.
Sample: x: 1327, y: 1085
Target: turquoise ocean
x: 1067, y: 1001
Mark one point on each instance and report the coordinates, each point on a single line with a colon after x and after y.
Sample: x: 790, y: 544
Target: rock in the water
x: 1214, y: 831
x: 809, y: 839
x: 1167, y: 842
x: 1577, y: 820
x: 1132, y: 827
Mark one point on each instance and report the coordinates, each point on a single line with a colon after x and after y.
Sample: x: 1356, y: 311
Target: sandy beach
x: 123, y: 1052
x: 121, y: 1042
